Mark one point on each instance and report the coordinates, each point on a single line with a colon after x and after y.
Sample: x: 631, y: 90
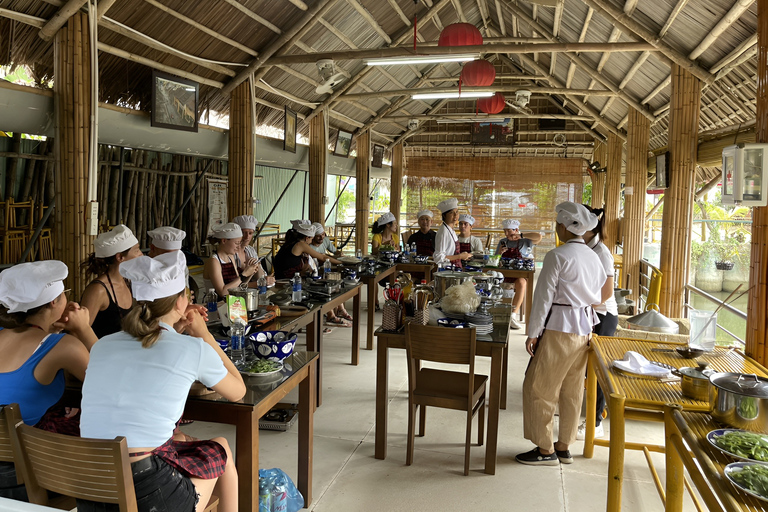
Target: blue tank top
x: 21, y: 387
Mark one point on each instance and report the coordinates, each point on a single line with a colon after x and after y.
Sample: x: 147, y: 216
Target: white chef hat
x: 575, y: 217
x: 227, y: 231
x: 167, y: 237
x: 465, y: 217
x: 448, y: 205
x: 424, y: 213
x: 304, y: 227
x: 156, y: 278
x: 385, y: 218
x: 319, y: 229
x: 112, y: 242
x: 246, y: 221
x: 511, y: 224
x: 28, y: 285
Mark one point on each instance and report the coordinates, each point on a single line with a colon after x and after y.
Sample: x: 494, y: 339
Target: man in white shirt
x: 559, y: 330
x: 467, y: 242
x: 446, y: 241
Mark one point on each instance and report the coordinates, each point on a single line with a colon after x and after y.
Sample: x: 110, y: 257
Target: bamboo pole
x: 638, y: 134
x: 318, y: 155
x: 59, y: 19
x: 678, y: 205
x: 757, y: 304
x: 241, y: 156
x: 396, y: 181
x: 612, y: 192
x: 362, y: 165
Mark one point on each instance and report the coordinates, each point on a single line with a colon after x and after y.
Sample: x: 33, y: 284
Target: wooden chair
x: 14, y: 243
x: 12, y: 218
x: 442, y: 388
x: 90, y: 469
x: 277, y: 243
x: 46, y: 245
x: 488, y: 241
x: 9, y: 417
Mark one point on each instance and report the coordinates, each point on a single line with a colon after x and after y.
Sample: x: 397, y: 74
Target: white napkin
x: 638, y: 364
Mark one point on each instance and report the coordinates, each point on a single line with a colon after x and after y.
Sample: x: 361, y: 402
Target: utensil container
x: 703, y: 329
x: 391, y: 316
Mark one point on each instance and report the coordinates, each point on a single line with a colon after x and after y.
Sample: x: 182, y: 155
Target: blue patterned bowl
x: 451, y: 322
x: 273, y: 345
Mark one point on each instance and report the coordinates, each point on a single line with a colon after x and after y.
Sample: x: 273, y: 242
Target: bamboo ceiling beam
x: 479, y: 118
x: 725, y: 22
x: 282, y: 43
x: 103, y: 7
x: 156, y: 65
x: 581, y: 63
x: 500, y: 18
x: 203, y: 28
x: 735, y: 53
x: 370, y: 19
x: 298, y: 3
x: 402, y: 51
x: 60, y: 18
x: 459, y: 10
x: 634, y: 27
x: 582, y: 36
x: 504, y: 89
x: 399, y: 12
x: 498, y: 77
x: 33, y: 21
x: 240, y: 7
x: 111, y: 25
x: 675, y: 12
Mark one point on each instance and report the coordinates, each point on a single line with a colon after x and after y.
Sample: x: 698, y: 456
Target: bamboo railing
x: 638, y: 133
x: 678, y: 206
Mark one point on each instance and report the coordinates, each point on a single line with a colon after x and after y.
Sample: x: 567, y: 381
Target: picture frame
x: 343, y: 143
x: 378, y: 156
x: 175, y: 102
x: 289, y: 127
x: 662, y: 170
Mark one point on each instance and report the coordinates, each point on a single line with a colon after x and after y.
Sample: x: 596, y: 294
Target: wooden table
x: 372, y: 281
x: 685, y: 438
x: 641, y: 399
x: 525, y: 315
x: 493, y: 345
x: 323, y: 308
x: 298, y: 371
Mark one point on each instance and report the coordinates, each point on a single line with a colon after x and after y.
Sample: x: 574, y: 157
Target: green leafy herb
x: 264, y: 366
x: 744, y: 444
x: 754, y: 478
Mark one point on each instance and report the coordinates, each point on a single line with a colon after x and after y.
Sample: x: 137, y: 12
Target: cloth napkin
x: 638, y: 364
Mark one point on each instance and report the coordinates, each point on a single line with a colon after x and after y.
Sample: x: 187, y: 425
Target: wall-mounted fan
x: 331, y: 79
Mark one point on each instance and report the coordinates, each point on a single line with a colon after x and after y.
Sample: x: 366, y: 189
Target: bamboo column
x: 638, y: 134
x: 612, y: 191
x: 757, y: 320
x: 363, y: 165
x: 241, y: 155
x: 598, y: 178
x: 396, y: 186
x: 318, y: 158
x: 72, y: 106
x: 678, y: 203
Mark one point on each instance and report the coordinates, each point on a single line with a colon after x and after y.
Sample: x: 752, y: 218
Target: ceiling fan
x: 331, y: 79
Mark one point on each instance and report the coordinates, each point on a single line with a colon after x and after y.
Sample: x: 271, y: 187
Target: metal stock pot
x: 740, y: 400
x: 251, y: 296
x: 446, y: 279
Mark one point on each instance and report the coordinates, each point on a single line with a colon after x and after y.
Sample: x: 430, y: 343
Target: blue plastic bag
x: 277, y: 493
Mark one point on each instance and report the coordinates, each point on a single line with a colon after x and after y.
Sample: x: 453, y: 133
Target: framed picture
x: 378, y: 156
x: 174, y: 102
x: 289, y: 141
x: 343, y: 143
x: 662, y: 170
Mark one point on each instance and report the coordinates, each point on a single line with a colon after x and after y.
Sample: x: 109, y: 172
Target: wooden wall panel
x: 241, y: 153
x: 638, y: 133
x: 363, y: 164
x: 678, y: 202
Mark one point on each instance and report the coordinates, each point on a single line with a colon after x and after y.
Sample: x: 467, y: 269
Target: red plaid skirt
x: 201, y: 459
x: 54, y: 420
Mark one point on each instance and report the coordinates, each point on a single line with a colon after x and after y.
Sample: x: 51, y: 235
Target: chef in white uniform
x: 559, y: 330
x: 467, y: 241
x: 446, y: 241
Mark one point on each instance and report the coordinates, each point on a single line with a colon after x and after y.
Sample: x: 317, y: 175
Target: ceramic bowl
x: 273, y: 345
x: 451, y: 322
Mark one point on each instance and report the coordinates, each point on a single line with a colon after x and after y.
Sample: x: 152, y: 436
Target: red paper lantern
x: 491, y: 105
x: 478, y: 73
x: 460, y: 34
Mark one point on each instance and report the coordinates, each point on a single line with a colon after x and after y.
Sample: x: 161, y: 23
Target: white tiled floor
x: 347, y: 477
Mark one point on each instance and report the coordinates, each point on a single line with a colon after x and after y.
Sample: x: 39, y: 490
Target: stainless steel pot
x: 739, y: 400
x: 251, y: 296
x: 652, y: 320
x: 446, y: 279
x: 695, y: 381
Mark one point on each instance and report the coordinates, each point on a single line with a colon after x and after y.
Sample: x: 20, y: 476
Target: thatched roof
x: 718, y: 36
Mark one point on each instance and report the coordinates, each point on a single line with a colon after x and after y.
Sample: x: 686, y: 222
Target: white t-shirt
x: 606, y: 258
x: 140, y: 392
x: 474, y: 242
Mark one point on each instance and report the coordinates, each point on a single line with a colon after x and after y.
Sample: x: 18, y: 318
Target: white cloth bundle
x: 639, y: 365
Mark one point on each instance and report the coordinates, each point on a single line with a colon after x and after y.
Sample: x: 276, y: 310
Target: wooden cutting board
x: 292, y: 310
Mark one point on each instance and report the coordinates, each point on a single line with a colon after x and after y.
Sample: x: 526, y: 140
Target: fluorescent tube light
x: 495, y: 120
x: 449, y: 95
x: 425, y: 59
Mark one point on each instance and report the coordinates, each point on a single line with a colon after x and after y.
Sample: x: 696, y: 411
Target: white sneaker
x: 513, y: 323
x: 582, y: 431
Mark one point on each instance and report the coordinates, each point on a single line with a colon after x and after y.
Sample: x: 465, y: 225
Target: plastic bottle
x: 262, y: 283
x: 210, y: 300
x: 413, y: 249
x: 237, y: 343
x: 359, y: 254
x: 296, y: 296
x: 486, y: 256
x: 326, y: 268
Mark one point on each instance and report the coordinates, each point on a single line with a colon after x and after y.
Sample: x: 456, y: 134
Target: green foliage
x: 586, y: 195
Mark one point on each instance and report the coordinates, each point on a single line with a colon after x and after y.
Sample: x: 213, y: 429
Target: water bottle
x: 359, y: 254
x: 262, y: 283
x: 296, y: 296
x: 413, y: 249
x: 326, y: 268
x: 236, y: 344
x: 210, y: 300
x: 486, y: 256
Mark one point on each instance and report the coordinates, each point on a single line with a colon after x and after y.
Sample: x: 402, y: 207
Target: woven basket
x: 391, y: 316
x: 421, y: 316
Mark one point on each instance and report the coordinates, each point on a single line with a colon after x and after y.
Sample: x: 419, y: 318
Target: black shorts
x: 159, y: 488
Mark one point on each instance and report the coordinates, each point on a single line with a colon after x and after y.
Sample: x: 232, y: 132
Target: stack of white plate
x: 483, y: 324
x: 481, y: 329
x: 456, y: 316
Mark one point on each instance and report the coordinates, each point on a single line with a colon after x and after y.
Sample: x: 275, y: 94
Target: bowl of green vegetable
x: 261, y: 368
x: 750, y: 477
x: 740, y: 444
